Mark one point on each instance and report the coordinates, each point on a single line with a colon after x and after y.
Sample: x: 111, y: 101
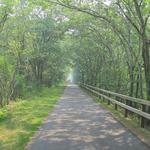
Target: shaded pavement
x: 78, y: 123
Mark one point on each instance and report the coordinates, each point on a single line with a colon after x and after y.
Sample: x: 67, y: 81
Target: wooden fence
x: 126, y: 102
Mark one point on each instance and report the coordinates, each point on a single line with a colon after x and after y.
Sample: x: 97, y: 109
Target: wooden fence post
x: 126, y: 111
x: 103, y: 97
x: 99, y: 96
x: 108, y: 101
x: 142, y: 118
x: 116, y: 106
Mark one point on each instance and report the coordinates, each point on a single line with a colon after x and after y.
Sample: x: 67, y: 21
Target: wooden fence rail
x: 123, y: 102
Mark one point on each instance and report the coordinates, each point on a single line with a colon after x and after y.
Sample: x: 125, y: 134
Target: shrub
x: 3, y: 113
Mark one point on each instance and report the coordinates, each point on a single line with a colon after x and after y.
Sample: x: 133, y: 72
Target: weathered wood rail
x: 123, y: 102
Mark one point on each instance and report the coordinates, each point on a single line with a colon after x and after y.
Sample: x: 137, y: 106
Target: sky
x: 107, y: 2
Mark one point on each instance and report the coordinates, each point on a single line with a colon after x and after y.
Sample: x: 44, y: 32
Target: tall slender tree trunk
x: 146, y: 60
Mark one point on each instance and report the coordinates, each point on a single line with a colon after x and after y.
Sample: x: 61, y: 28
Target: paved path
x: 78, y: 123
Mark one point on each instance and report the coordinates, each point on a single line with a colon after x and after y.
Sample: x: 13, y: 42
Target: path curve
x: 78, y: 123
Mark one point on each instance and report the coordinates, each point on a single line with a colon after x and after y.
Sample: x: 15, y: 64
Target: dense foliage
x: 107, y: 43
x: 112, y: 44
x: 32, y: 50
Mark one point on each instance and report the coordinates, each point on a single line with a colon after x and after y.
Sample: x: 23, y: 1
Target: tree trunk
x: 1, y: 100
x: 145, y: 55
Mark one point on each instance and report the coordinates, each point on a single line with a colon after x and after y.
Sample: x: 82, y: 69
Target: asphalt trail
x: 78, y: 123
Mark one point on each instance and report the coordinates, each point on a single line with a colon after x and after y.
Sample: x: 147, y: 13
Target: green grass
x: 19, y: 120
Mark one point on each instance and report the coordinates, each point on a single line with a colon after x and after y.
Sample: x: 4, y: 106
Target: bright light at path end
x: 70, y: 77
x: 107, y: 2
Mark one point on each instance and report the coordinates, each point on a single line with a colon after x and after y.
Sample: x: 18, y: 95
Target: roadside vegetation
x: 19, y: 120
x: 107, y: 43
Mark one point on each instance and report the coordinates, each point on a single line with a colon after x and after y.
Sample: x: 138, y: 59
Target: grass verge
x: 21, y: 119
